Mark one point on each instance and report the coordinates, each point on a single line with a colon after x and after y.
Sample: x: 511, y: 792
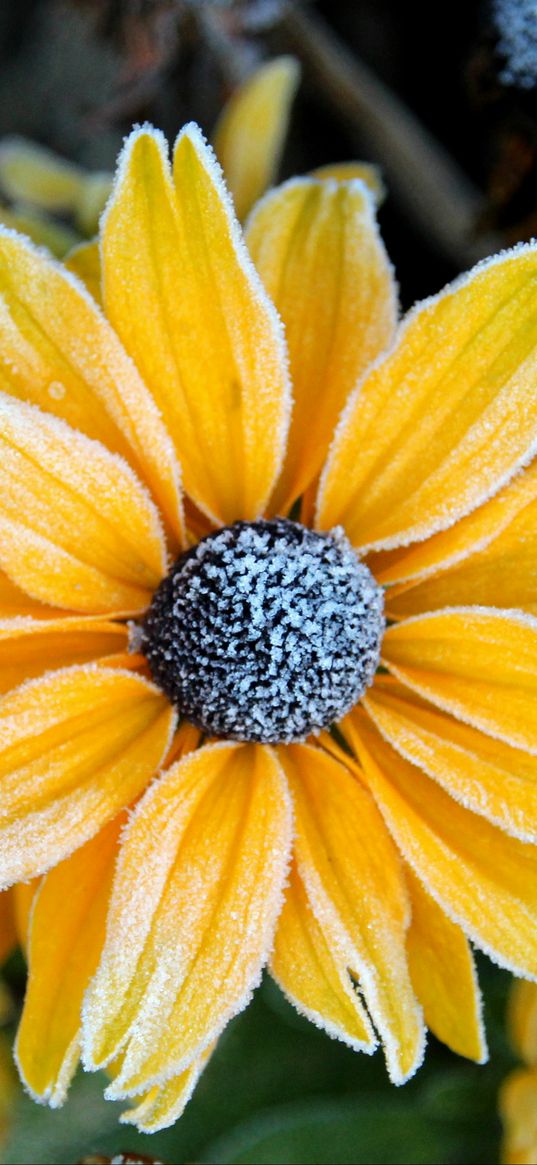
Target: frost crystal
x: 265, y: 631
x: 516, y: 22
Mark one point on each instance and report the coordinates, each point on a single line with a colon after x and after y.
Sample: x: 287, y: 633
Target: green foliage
x: 279, y: 1091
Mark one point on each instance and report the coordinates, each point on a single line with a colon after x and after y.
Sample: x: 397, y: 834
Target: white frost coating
x: 516, y: 23
x: 115, y: 382
x: 452, y: 515
x: 131, y: 917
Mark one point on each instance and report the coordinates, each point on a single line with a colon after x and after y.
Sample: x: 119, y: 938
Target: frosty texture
x: 265, y: 631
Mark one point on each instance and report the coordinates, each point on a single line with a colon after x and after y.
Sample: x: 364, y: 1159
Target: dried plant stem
x: 431, y: 187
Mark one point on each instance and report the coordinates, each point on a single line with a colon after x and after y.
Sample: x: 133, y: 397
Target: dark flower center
x: 265, y: 631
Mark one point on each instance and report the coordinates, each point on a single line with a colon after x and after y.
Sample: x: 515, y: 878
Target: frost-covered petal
x: 475, y: 662
x: 446, y: 420
x: 444, y: 975
x: 184, y: 296
x: 197, y: 892
x: 75, y: 747
x: 485, y: 881
x: 484, y: 774
x: 163, y: 1104
x: 355, y: 886
x: 250, y: 134
x: 318, y: 251
x: 312, y: 976
x: 65, y: 941
x: 77, y: 528
x: 29, y: 647
x: 58, y: 351
x: 15, y: 603
x: 503, y: 573
x: 449, y: 548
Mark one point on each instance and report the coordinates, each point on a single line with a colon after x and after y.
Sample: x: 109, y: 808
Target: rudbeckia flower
x: 289, y: 719
x: 518, y: 1096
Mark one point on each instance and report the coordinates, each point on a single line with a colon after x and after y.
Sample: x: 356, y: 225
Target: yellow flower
x: 518, y: 1096
x: 361, y: 869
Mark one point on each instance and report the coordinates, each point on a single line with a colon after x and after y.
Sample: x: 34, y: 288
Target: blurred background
x: 444, y: 99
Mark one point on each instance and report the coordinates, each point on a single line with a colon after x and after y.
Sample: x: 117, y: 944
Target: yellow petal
x: 445, y: 421
x: 518, y: 1109
x: 75, y: 747
x: 182, y: 292
x: 444, y: 976
x: 451, y: 547
x: 31, y: 173
x: 485, y: 775
x: 163, y: 1104
x: 316, y: 982
x: 58, y: 351
x: 318, y: 251
x: 16, y: 603
x: 23, y: 900
x: 503, y: 574
x: 41, y: 229
x: 475, y: 662
x: 76, y: 527
x: 8, y: 933
x: 84, y: 261
x: 522, y: 1020
x: 29, y: 647
x: 367, y: 172
x: 65, y: 942
x: 93, y: 195
x: 198, y: 888
x: 482, y: 879
x: 354, y: 882
x: 250, y: 134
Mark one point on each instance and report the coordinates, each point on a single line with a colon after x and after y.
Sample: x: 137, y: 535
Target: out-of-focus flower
x: 249, y: 138
x: 358, y: 869
x: 518, y: 1097
x: 250, y: 134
